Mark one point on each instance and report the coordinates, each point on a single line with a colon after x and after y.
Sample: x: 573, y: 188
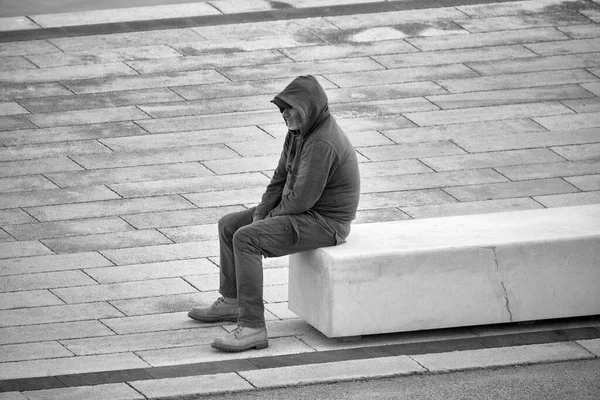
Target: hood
x: 307, y: 96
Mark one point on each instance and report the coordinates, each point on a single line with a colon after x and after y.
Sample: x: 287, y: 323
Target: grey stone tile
x: 56, y: 196
x: 143, y: 341
x: 151, y: 323
x: 582, y: 106
x: 71, y: 365
x: 349, y: 50
x: 381, y: 107
x: 53, y: 331
x: 68, y: 73
x: 242, y: 164
x: 454, y: 131
x: 410, y: 150
x: 13, y: 91
x: 570, y: 122
x: 492, y: 159
x: 492, y: 113
x: 25, y: 183
x: 238, y: 89
x: 54, y: 314
x: 128, y: 174
x: 214, y: 60
x: 45, y: 150
x: 45, y: 280
x: 101, y: 100
x: 253, y: 43
x: 46, y: 230
x: 301, y: 68
x: 12, y: 122
x: 103, y: 241
x: 124, y: 290
x: 11, y: 108
x: 60, y: 262
x: 393, y: 167
x: 22, y: 249
x: 380, y: 215
x: 165, y: 252
x: 38, y: 166
x: 430, y: 180
x: 193, y: 233
x: 370, y: 201
x: 120, y: 391
x: 511, y: 96
x: 32, y: 351
x: 505, y: 190
x: 586, y: 183
x: 14, y: 216
x: 29, y: 298
x: 486, y: 39
x: 165, y: 304
x: 469, y: 55
x: 581, y: 31
x: 384, y: 92
x: 523, y: 21
x: 227, y: 197
x: 516, y: 81
x: 83, y: 117
x: 70, y: 133
x: 156, y: 157
x: 135, y: 82
x: 167, y: 219
x: 212, y: 106
x: 184, y: 139
x: 550, y: 170
x: 270, y: 147
x: 15, y: 62
x: 190, y: 185
x: 534, y: 64
x: 368, y: 138
x: 179, y: 124
x: 103, y: 56
x: 148, y: 271
x: 565, y: 47
x: 27, y: 47
x: 471, y: 207
x: 569, y: 199
x: 511, y: 8
x: 579, y: 152
x: 128, y: 39
x: 527, y: 140
x: 5, y: 237
x: 193, y: 385
x: 395, y: 18
x: 400, y: 75
x: 94, y: 209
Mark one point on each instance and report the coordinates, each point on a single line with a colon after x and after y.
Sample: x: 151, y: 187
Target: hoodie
x: 318, y: 168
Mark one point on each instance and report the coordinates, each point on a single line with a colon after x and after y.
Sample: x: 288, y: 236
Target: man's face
x: 292, y: 119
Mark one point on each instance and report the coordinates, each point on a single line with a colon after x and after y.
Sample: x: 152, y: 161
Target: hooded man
x: 310, y: 203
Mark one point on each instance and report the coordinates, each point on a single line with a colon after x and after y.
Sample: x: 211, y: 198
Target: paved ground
x: 120, y: 151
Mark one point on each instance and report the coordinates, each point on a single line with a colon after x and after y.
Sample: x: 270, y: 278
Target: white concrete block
x: 453, y: 271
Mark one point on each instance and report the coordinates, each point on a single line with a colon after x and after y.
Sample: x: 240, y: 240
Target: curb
x: 331, y: 372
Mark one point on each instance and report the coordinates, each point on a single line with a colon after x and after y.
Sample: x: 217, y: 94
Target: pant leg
x: 271, y: 237
x: 228, y: 226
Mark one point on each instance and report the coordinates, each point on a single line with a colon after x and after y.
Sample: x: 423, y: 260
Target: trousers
x: 244, y: 243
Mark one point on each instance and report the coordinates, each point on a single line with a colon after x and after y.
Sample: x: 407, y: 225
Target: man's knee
x: 226, y: 226
x: 246, y: 237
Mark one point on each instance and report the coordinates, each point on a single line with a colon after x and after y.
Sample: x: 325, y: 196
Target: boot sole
x: 228, y: 318
x: 257, y: 346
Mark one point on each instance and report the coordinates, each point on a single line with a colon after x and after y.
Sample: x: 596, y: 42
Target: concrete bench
x: 452, y: 271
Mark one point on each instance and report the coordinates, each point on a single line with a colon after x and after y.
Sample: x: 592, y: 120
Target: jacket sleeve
x: 272, y: 195
x: 316, y: 162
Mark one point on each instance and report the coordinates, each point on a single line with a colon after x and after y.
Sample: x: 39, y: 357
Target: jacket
x: 318, y: 168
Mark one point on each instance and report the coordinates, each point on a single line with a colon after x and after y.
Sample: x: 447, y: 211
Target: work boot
x: 220, y: 311
x: 242, y: 338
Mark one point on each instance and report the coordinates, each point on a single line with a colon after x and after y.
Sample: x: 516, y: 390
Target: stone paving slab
x: 119, y: 151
